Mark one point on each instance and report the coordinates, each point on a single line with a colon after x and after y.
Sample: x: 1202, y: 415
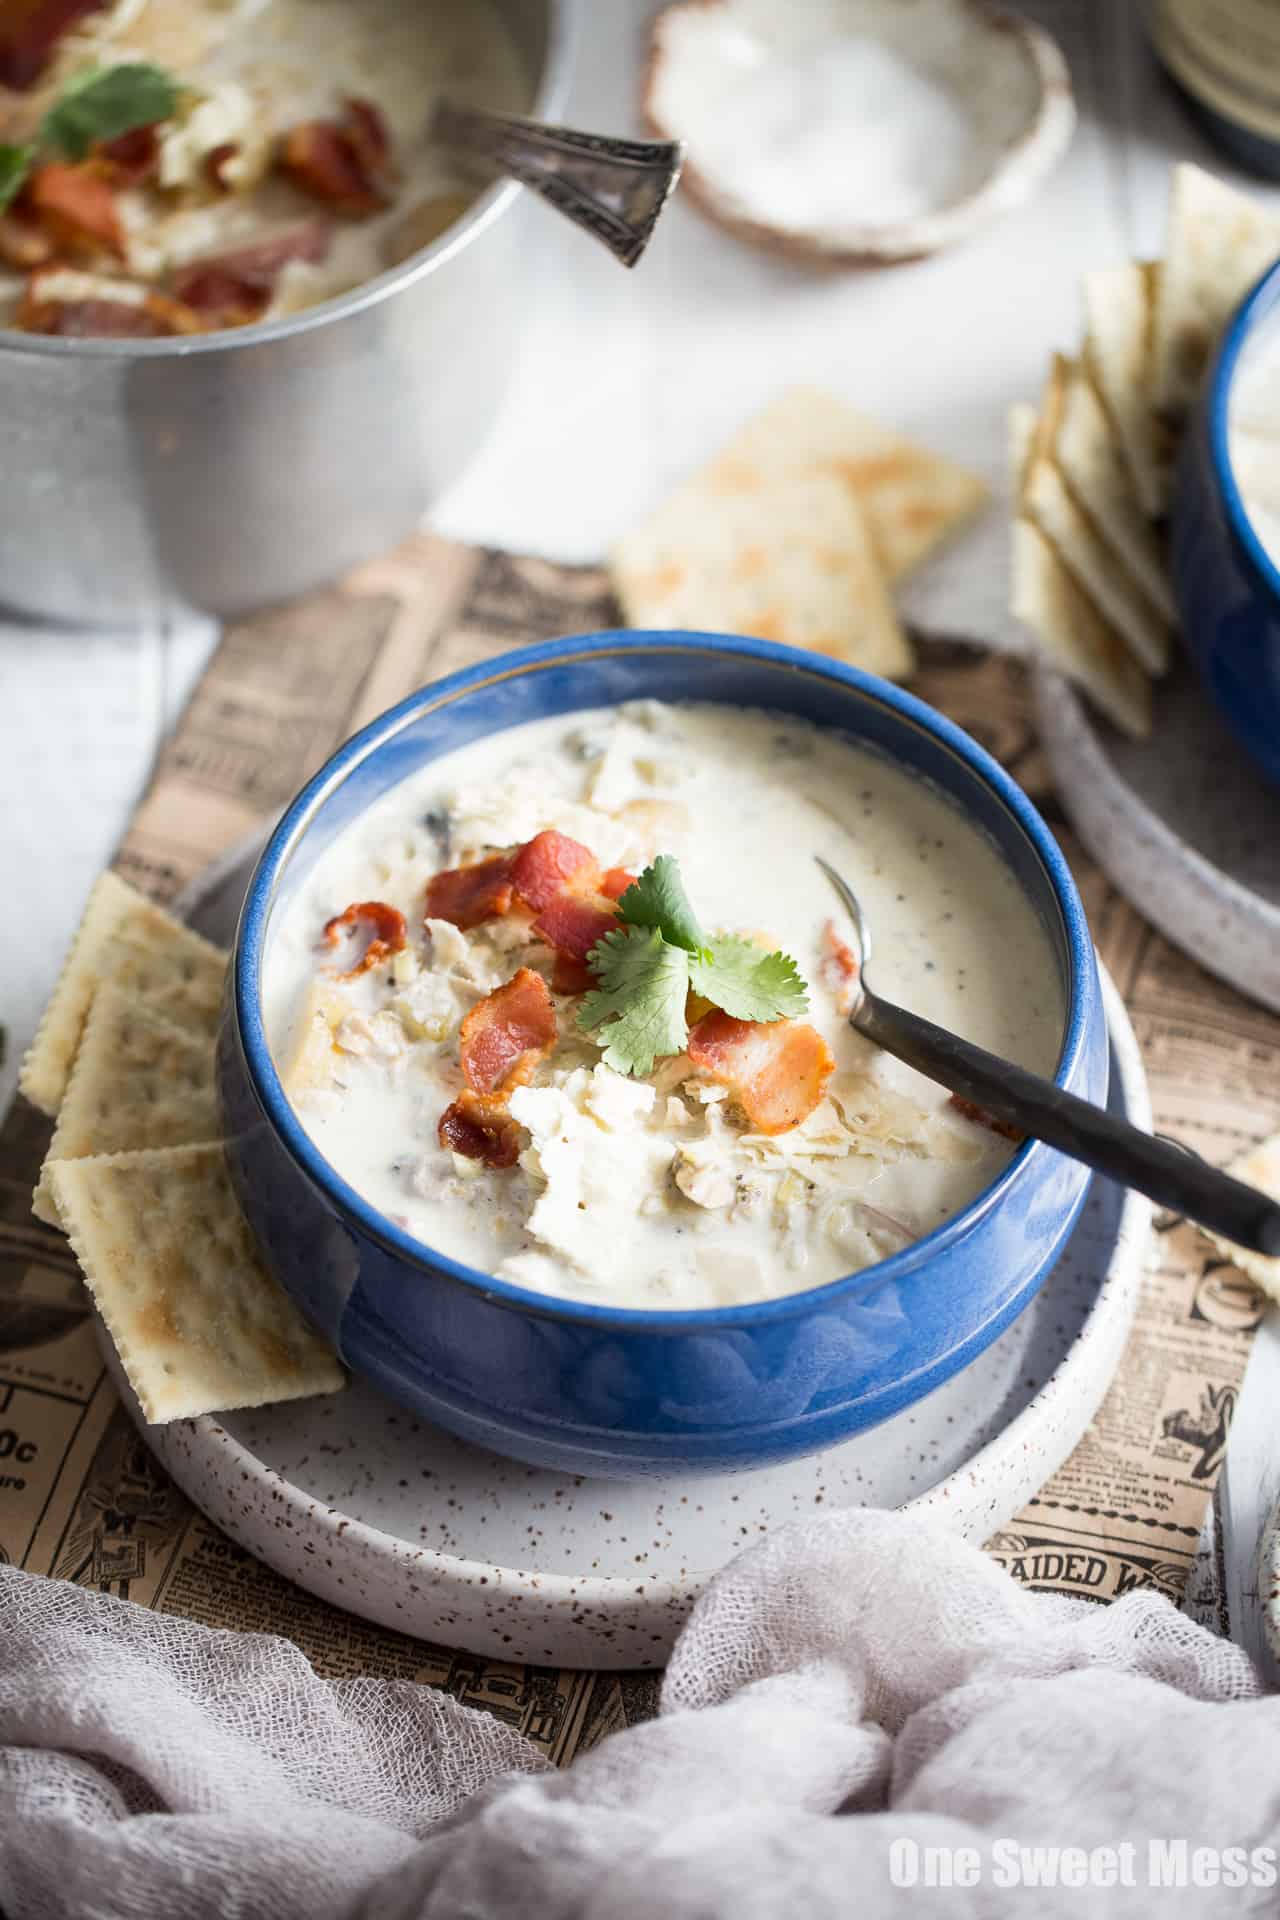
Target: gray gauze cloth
x: 848, y: 1694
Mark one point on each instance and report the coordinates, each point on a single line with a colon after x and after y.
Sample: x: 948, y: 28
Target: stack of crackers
x: 798, y: 531
x: 1093, y: 468
x: 136, y: 1175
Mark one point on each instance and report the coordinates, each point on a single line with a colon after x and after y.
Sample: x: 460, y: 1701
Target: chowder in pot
x: 182, y: 166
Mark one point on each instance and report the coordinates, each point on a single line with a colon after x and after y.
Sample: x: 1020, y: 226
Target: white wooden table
x: 627, y: 380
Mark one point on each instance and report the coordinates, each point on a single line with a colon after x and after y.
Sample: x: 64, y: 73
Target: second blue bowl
x: 601, y: 1390
x: 1226, y: 583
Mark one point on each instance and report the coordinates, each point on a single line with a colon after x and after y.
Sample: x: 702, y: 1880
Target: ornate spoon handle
x: 614, y: 188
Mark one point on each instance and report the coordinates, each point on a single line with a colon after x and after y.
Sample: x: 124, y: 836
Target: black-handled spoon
x: 1171, y: 1175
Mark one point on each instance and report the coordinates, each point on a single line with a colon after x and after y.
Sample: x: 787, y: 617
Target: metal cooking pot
x: 147, y: 477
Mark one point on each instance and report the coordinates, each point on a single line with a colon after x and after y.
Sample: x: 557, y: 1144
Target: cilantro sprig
x: 15, y: 163
x: 99, y: 104
x: 647, y: 967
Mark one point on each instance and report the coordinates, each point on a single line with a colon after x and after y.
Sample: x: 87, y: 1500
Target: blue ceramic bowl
x: 601, y: 1390
x: 1227, y: 587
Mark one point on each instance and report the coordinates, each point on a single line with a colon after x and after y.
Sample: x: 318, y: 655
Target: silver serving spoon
x: 1167, y: 1173
x: 614, y: 188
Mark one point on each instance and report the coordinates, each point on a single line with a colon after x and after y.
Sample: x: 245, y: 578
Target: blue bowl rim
x: 346, y: 1201
x: 1257, y: 303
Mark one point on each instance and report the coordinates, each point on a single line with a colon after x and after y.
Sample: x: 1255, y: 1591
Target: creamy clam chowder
x: 444, y: 1071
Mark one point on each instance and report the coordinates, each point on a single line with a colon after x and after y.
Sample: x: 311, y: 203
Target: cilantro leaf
x: 658, y: 899
x: 105, y: 102
x: 748, y: 983
x: 14, y: 162
x: 644, y: 982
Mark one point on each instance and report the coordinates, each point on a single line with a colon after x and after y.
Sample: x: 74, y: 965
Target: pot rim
x: 346, y: 1202
x: 551, y: 92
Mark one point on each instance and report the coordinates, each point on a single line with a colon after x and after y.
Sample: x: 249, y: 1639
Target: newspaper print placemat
x: 81, y: 1497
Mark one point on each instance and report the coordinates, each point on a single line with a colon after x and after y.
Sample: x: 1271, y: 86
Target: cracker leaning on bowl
x: 796, y: 531
x: 1098, y: 474
x: 1048, y: 598
x: 136, y: 1172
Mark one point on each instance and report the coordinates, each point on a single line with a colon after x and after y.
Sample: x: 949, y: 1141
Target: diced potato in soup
x: 452, y: 1081
x: 291, y: 166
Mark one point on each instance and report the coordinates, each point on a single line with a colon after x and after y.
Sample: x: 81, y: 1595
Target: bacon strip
x: 155, y: 318
x: 389, y: 933
x: 467, y: 896
x: 75, y: 206
x: 29, y: 32
x: 545, y: 865
x: 480, y: 1129
x: 555, y: 878
x: 570, y: 976
x: 981, y: 1118
x: 776, y: 1070
x: 574, y: 923
x: 503, y: 1039
x: 507, y: 1033
x: 365, y: 129
x: 345, y: 163
x: 23, y: 244
x: 131, y: 157
x: 840, y: 969
x: 237, y: 286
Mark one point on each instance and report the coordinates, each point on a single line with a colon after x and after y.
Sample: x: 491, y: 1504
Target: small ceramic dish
x: 594, y: 1389
x: 850, y: 132
x: 1226, y: 583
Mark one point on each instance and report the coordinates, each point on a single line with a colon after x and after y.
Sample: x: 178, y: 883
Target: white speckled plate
x: 1269, y: 1586
x: 370, y: 1508
x: 1181, y: 823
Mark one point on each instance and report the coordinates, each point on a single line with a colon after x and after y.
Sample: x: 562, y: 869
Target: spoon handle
x: 1172, y: 1176
x: 614, y: 188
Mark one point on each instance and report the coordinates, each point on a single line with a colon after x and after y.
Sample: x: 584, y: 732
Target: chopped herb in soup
x: 180, y: 166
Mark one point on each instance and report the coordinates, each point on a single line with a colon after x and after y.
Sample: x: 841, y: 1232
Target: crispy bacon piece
x: 616, y: 882
x: 544, y: 872
x: 507, y: 1033
x: 547, y: 864
x: 776, y: 1070
x: 76, y: 208
x: 467, y: 896
x: 155, y: 318
x: 224, y: 300
x: 345, y: 163
x: 23, y: 244
x: 571, y: 976
x: 503, y: 1039
x: 389, y: 933
x: 981, y: 1118
x: 131, y: 157
x: 365, y: 127
x: 29, y: 32
x: 840, y: 970
x: 572, y: 923
x: 480, y: 1129
x: 236, y: 287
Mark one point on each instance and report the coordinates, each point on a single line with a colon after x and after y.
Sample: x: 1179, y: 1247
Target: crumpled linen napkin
x: 855, y: 1690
